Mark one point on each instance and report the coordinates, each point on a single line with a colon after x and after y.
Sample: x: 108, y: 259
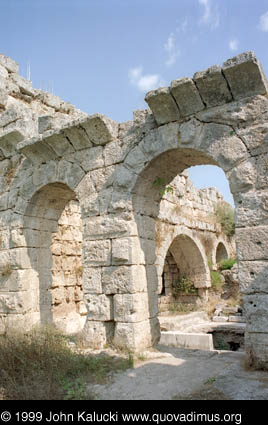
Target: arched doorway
x: 221, y: 253
x: 53, y: 233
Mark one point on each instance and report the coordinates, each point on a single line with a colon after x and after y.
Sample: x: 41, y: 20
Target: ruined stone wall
x: 68, y: 308
x: 219, y: 118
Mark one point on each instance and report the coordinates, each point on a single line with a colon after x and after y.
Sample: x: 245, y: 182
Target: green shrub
x: 225, y: 216
x: 227, y: 264
x: 184, y: 286
x: 216, y: 280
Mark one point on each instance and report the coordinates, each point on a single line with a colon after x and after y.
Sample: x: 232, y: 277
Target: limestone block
x: 127, y: 251
x: 57, y: 141
x: 123, y: 177
x: 120, y: 201
x: 91, y: 158
x: 97, y: 253
x: 163, y: 105
x: 97, y: 334
x: 92, y: 280
x: 3, y: 74
x: 245, y: 75
x: 107, y: 227
x: 23, y: 258
x: 70, y: 173
x: 255, y: 137
x: 212, y: 87
x: 77, y: 136
x: 24, y: 85
x: 243, y: 177
x: 149, y: 249
x: 103, y: 177
x: 189, y: 132
x: 187, y: 96
x: 100, y: 129
x: 251, y: 208
x: 237, y: 319
x: 124, y: 279
x: 3, y: 98
x: 253, y: 276
x: 136, y: 158
x: 256, y: 346
x: 99, y: 307
x: 252, y: 243
x: 9, y: 63
x: 219, y: 142
x: 44, y: 174
x: 57, y: 295
x: 36, y: 151
x: 115, y: 152
x: 262, y: 173
x: 137, y: 336
x: 131, y: 307
x: 15, y: 302
x: 220, y: 318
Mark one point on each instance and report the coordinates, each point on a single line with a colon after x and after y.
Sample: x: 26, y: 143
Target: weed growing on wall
x: 227, y: 264
x: 184, y: 286
x: 162, y: 185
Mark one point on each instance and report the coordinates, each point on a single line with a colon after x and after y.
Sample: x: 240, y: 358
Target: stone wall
x: 219, y: 118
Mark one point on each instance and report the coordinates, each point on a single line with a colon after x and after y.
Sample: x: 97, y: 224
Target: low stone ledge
x: 195, y: 341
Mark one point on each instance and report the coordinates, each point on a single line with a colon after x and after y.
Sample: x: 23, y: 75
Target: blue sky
x: 103, y: 55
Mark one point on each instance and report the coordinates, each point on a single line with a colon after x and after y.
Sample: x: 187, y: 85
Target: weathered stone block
x: 137, y: 336
x: 243, y: 177
x: 187, y: 96
x: 222, y: 145
x: 90, y: 159
x: 124, y: 279
x: 107, y: 227
x: 131, y: 307
x: 127, y: 251
x: 100, y: 129
x: 92, y: 280
x: 9, y: 63
x: 3, y: 98
x: 256, y: 346
x: 77, y: 136
x: 252, y: 243
x: 97, y: 253
x: 97, y: 334
x: 212, y: 87
x: 245, y: 75
x: 253, y: 276
x: 163, y: 105
x: 99, y: 307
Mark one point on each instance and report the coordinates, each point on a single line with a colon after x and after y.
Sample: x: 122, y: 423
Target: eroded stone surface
x: 107, y: 261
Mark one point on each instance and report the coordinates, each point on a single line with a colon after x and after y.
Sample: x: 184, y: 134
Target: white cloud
x: 171, y: 49
x: 233, y: 44
x: 263, y: 23
x: 144, y: 82
x: 211, y: 16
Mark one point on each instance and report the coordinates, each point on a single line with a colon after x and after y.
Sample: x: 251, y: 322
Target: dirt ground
x: 167, y: 373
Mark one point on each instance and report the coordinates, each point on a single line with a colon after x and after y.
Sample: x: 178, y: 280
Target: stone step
x: 182, y: 322
x: 195, y: 341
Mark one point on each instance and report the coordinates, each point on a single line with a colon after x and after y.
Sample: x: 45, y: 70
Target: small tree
x: 225, y: 216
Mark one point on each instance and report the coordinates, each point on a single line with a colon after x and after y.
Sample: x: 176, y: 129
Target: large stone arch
x: 220, y: 117
x: 188, y: 252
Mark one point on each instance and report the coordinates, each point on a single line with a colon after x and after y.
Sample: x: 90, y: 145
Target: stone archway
x: 185, y: 260
x: 53, y: 235
x: 221, y: 252
x: 220, y: 118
